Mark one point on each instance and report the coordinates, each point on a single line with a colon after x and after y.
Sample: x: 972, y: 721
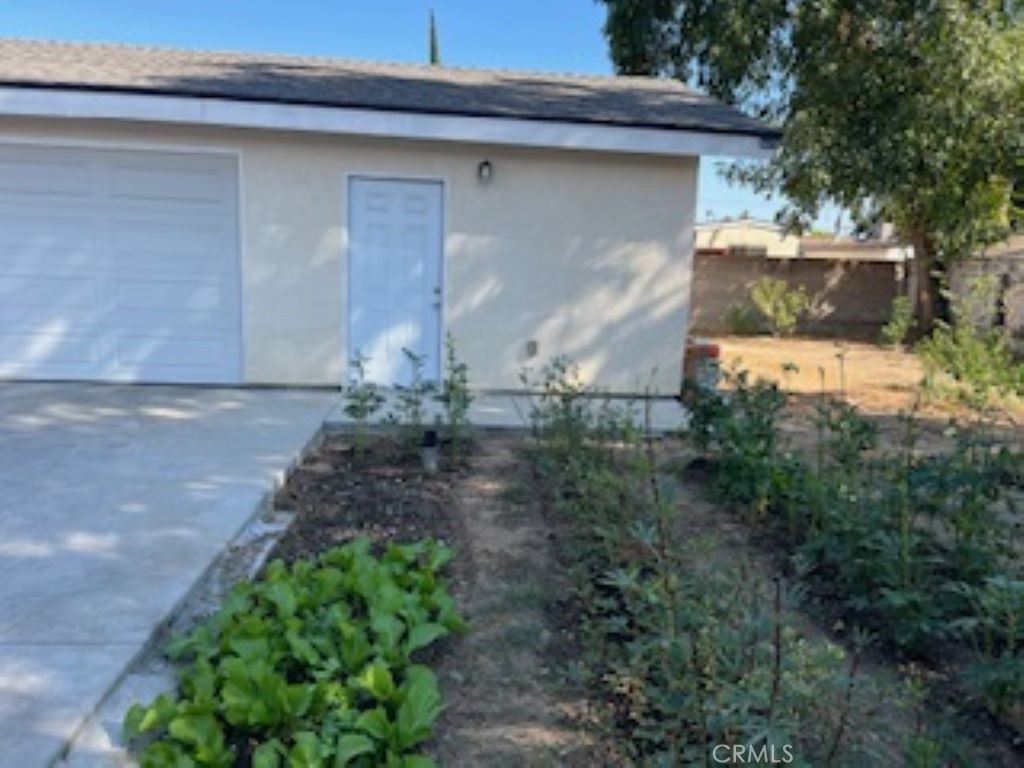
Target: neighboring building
x: 851, y: 282
x: 172, y: 216
x: 1003, y: 264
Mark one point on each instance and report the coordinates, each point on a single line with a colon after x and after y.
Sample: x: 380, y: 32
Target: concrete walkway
x: 113, y: 502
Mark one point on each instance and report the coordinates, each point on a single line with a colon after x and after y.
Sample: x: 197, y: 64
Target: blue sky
x: 552, y: 35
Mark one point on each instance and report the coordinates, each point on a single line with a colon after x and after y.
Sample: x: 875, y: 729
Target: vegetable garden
x: 856, y: 598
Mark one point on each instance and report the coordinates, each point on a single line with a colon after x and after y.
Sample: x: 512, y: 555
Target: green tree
x: 435, y: 48
x: 908, y: 111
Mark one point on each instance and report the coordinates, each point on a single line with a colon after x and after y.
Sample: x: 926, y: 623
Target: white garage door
x: 118, y: 265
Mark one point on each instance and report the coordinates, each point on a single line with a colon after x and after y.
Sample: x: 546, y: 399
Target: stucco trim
x: 76, y: 104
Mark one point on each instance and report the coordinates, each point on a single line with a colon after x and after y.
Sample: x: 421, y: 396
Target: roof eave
x: 105, y: 104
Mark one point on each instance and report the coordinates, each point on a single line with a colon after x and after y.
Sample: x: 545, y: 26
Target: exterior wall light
x: 485, y: 171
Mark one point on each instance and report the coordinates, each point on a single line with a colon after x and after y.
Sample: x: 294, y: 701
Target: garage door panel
x: 57, y: 353
x: 54, y: 295
x: 185, y: 324
x: 180, y: 296
x: 30, y: 244
x: 161, y: 247
x: 35, y: 172
x: 137, y: 280
x: 198, y: 185
x: 137, y: 350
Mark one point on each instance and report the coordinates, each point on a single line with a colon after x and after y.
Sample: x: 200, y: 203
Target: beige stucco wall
x: 587, y: 254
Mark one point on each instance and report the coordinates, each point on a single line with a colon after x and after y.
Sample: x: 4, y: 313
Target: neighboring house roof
x: 743, y: 222
x: 755, y: 238
x: 634, y: 102
x: 746, y: 237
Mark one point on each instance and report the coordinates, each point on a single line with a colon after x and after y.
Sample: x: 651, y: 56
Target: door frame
x: 442, y: 266
x: 230, y: 150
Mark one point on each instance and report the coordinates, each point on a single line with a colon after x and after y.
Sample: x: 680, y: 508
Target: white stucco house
x: 194, y: 217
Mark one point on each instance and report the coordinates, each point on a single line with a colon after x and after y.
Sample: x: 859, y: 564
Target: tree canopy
x: 909, y: 111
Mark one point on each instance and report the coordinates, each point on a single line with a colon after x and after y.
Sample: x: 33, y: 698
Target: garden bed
x: 380, y: 491
x: 506, y: 703
x: 903, y: 527
x: 617, y: 612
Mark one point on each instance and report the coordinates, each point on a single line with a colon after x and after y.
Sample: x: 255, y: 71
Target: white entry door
x: 395, y: 268
x: 118, y: 265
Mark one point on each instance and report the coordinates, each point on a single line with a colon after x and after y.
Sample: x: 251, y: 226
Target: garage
x: 119, y: 265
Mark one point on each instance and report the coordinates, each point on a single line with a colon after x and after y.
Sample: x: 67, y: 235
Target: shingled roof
x: 635, y: 102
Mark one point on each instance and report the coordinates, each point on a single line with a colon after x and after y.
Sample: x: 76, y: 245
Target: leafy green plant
x: 315, y: 664
x: 455, y: 397
x: 901, y: 322
x: 975, y: 355
x: 980, y: 361
x: 743, y: 319
x: 410, y: 408
x: 918, y: 546
x: 687, y: 653
x: 738, y: 427
x: 561, y: 411
x: 998, y: 626
x: 780, y: 305
x: 363, y: 399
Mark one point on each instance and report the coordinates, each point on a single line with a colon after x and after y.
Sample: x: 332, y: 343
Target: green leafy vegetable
x: 311, y: 666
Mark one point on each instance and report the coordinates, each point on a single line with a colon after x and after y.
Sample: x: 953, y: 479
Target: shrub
x: 979, y: 360
x: 363, y: 400
x: 743, y: 319
x: 410, y: 410
x: 312, y: 665
x: 916, y: 547
x: 973, y: 353
x: 455, y: 397
x: 688, y: 653
x: 901, y: 322
x: 780, y: 305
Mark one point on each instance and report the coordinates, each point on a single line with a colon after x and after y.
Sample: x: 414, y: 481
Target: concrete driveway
x: 113, y: 502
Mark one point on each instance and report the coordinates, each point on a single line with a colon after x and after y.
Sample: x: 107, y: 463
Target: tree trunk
x: 929, y: 304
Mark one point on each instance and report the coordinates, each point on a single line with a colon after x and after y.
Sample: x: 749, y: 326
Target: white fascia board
x: 103, y: 105
x: 892, y: 254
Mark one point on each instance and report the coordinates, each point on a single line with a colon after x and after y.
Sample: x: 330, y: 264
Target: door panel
x: 395, y: 269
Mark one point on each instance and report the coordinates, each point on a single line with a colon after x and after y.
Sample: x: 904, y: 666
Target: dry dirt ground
x: 879, y: 380
x: 883, y: 383
x: 876, y: 379
x: 508, y: 704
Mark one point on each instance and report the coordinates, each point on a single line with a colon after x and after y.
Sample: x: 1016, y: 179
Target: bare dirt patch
x: 883, y: 383
x: 382, y: 493
x: 507, y: 703
x: 876, y: 379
